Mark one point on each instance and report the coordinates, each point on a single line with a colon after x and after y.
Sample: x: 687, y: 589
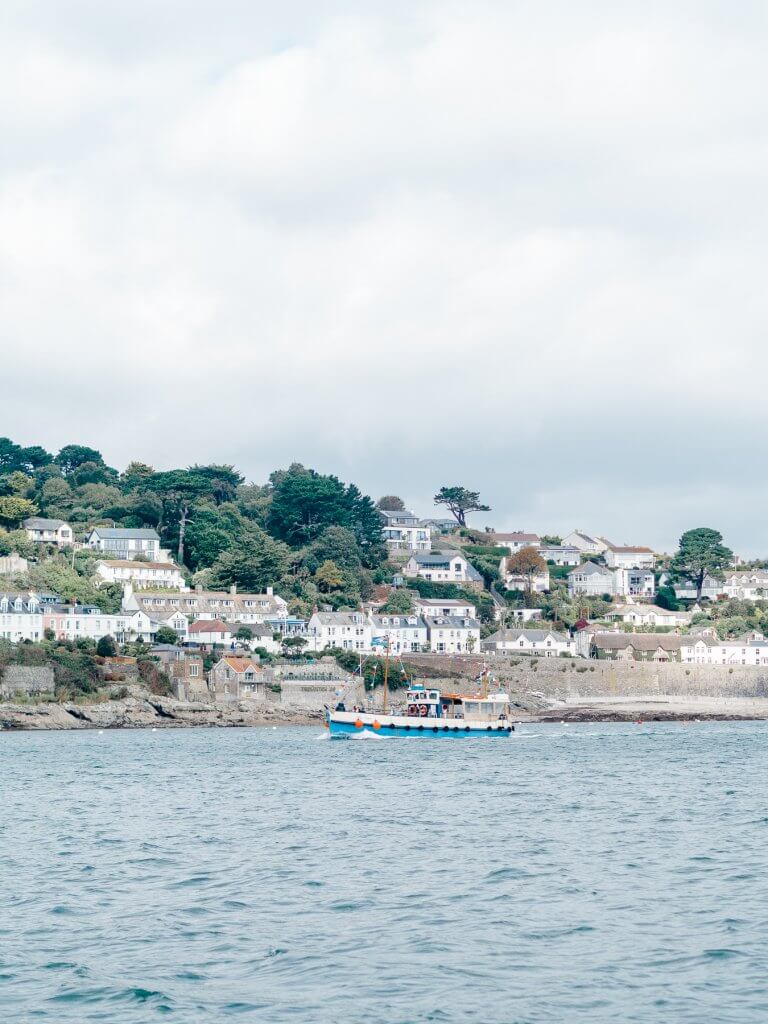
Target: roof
x: 37, y: 523
x: 591, y: 569
x: 533, y: 635
x: 340, y: 618
x: 517, y: 537
x: 452, y: 622
x: 448, y: 602
x: 110, y: 533
x: 209, y: 626
x: 646, y: 609
x: 436, y: 557
x: 399, y: 620
x: 630, y: 548
x: 639, y: 641
x: 240, y: 665
x: 127, y: 563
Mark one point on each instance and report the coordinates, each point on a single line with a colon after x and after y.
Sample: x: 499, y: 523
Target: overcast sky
x: 518, y: 246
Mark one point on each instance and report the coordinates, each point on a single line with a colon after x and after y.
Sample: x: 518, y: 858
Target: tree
x: 244, y: 633
x: 329, y: 577
x: 391, y: 503
x: 106, y: 647
x: 701, y: 553
x: 399, y: 602
x: 166, y: 635
x: 73, y: 455
x: 551, y: 538
x: 224, y: 481
x: 257, y: 564
x: 14, y: 510
x: 179, y: 490
x: 305, y: 502
x: 460, y: 501
x: 526, y: 562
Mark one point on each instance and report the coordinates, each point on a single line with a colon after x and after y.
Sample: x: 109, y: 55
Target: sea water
x: 573, y: 873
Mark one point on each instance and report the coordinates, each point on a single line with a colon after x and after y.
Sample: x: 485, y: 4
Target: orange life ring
x: 423, y: 710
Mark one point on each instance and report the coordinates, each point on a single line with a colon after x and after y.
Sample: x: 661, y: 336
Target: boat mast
x: 385, y: 694
x: 484, y: 677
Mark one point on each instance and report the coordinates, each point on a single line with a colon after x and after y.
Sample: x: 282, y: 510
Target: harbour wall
x: 575, y: 678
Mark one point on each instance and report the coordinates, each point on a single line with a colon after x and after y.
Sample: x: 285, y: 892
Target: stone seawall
x: 577, y: 678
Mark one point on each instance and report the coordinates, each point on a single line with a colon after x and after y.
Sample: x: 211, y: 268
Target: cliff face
x: 148, y: 711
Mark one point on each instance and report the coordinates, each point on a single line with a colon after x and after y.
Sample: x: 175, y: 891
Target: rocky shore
x: 144, y: 710
x: 141, y: 712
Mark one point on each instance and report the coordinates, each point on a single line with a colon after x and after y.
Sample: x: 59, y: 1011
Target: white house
x: 403, y: 531
x: 648, y: 615
x: 542, y: 643
x: 708, y: 650
x: 525, y: 614
x: 560, y: 554
x: 634, y: 582
x: 627, y: 557
x: 442, y: 567
x: 586, y: 544
x: 401, y: 633
x: 437, y: 608
x: 48, y: 531
x: 209, y: 631
x: 351, y: 631
x: 229, y: 605
x: 591, y: 580
x: 125, y: 544
x: 686, y: 590
x: 142, y: 575
x: 77, y: 622
x: 751, y: 585
x: 514, y: 541
x: 448, y: 634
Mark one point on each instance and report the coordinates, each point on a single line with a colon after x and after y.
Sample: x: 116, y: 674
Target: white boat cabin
x: 425, y: 702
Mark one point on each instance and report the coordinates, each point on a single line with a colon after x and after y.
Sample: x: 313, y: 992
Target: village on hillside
x: 221, y: 613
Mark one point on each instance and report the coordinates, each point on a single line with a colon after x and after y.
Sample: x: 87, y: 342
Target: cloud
x: 517, y: 246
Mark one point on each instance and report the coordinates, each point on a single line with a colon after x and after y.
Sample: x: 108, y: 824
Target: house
x: 539, y: 583
x: 402, y: 633
x: 351, y: 631
x: 560, y: 554
x: 586, y: 544
x: 442, y: 526
x: 172, y: 618
x: 78, y: 622
x: 706, y: 649
x: 237, y: 677
x: 125, y: 544
x: 746, y: 586
x: 22, y: 614
x: 685, y: 590
x: 228, y: 605
x: 591, y: 580
x: 185, y: 670
x: 514, y: 541
x: 209, y: 631
x: 648, y: 615
x: 143, y: 575
x: 636, y: 646
x: 542, y: 643
x: 403, y: 531
x: 262, y: 636
x: 525, y: 614
x: 11, y: 564
x: 629, y: 557
x: 449, y: 634
x: 443, y: 567
x: 436, y: 607
x: 48, y: 531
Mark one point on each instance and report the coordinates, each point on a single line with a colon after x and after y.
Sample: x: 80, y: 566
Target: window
x: 194, y: 670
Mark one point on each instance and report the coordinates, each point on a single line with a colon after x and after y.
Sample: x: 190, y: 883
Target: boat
x: 428, y: 713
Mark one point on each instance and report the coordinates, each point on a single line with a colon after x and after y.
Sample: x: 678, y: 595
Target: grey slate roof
x: 591, y: 569
x: 110, y: 533
x: 38, y: 523
x: 532, y: 635
x: 451, y: 622
x: 639, y: 641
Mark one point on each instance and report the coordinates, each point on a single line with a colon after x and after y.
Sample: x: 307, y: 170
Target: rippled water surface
x: 582, y: 873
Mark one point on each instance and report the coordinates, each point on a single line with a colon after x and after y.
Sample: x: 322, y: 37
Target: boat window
x: 433, y: 695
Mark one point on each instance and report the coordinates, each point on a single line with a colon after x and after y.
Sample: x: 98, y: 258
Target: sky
x: 515, y: 246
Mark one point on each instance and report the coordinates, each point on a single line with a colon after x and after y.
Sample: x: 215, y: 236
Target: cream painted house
x: 48, y: 531
x: 142, y: 575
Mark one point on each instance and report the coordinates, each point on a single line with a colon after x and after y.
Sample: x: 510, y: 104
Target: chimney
x: 270, y: 591
x: 199, y: 588
x: 233, y: 589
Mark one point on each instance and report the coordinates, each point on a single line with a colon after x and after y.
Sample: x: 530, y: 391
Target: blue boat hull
x: 436, y: 731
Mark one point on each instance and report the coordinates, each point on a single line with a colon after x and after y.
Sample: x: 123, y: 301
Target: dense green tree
x: 136, y: 475
x: 14, y: 457
x: 305, y: 502
x: 329, y: 577
x: 223, y: 480
x: 17, y: 483
x: 253, y: 566
x: 106, y: 647
x: 73, y: 455
x: 179, y: 490
x: 14, y: 510
x: 17, y: 542
x: 460, y: 502
x: 212, y: 531
x: 701, y: 553
x: 399, y: 602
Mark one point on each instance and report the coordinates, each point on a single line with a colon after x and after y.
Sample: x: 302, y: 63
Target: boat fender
x: 376, y: 725
x: 420, y: 728
x: 358, y: 724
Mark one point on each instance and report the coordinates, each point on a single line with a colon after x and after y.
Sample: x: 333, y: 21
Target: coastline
x: 150, y: 711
